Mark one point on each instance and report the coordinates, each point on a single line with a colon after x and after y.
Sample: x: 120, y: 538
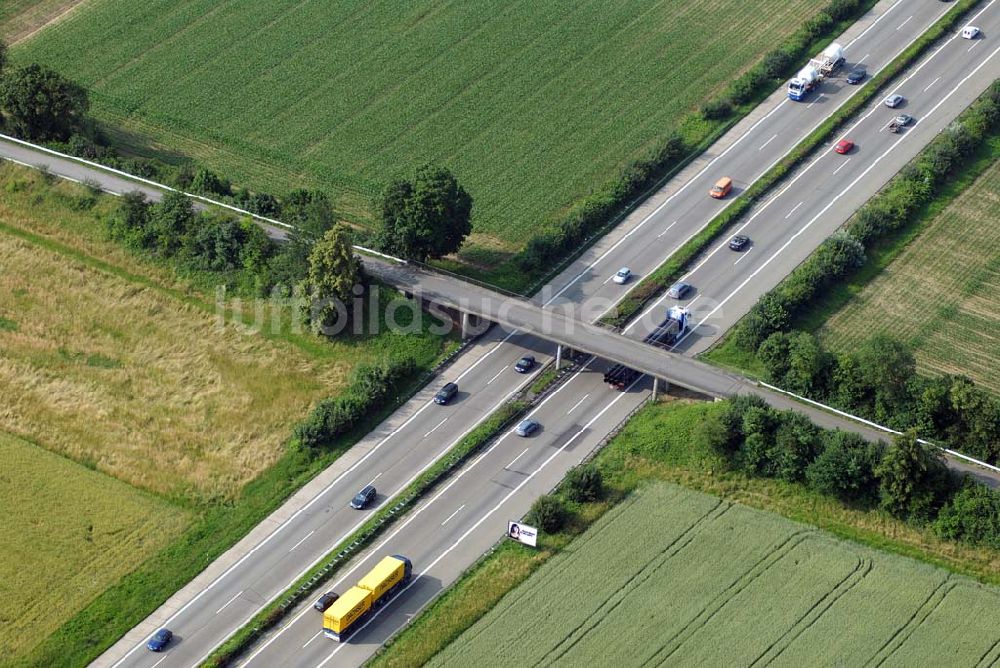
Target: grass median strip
x: 472, y: 443
x: 675, y: 266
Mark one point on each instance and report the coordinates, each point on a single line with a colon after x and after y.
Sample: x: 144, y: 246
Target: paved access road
x: 255, y: 570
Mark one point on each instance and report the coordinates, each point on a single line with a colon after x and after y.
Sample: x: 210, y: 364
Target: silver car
x: 894, y: 101
x: 622, y: 276
x: 527, y: 427
x: 679, y: 289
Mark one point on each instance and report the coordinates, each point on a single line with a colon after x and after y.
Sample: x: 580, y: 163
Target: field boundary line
x: 869, y: 423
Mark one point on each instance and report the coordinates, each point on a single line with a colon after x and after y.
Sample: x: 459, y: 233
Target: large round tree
x: 427, y: 218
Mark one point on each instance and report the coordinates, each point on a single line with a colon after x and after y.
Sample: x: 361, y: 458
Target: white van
x: 970, y: 32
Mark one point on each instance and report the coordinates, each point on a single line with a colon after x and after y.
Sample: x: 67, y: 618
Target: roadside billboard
x: 522, y: 533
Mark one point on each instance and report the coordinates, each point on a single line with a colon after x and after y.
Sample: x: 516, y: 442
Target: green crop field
x: 69, y: 532
x: 673, y: 576
x: 531, y: 104
x: 941, y: 294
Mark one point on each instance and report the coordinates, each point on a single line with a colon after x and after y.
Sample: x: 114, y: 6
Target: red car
x: 844, y: 146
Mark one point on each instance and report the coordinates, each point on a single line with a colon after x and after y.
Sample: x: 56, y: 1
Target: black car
x: 325, y: 601
x: 159, y: 640
x: 739, y: 242
x: 446, y: 394
x: 525, y: 364
x: 363, y: 498
x: 857, y: 75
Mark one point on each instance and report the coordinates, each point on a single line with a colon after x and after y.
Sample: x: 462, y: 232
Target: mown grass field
x: 675, y: 576
x: 941, y: 294
x: 119, y: 364
x: 532, y: 105
x: 69, y: 532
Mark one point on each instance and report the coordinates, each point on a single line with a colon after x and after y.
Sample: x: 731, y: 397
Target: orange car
x: 721, y: 187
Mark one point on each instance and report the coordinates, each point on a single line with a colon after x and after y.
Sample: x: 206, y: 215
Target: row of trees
x: 904, y: 478
x: 879, y: 380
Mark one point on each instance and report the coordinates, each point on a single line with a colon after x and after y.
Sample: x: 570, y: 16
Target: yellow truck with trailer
x: 374, y: 590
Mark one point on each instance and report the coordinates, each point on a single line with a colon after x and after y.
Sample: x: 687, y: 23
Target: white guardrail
x: 869, y: 423
x: 163, y: 186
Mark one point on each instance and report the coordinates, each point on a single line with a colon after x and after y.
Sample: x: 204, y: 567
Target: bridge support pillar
x: 473, y: 325
x: 558, y: 356
x: 659, y: 386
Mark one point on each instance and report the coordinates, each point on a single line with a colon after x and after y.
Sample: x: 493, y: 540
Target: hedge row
x: 907, y: 193
x: 371, y: 386
x: 658, y: 281
x: 905, y: 478
x: 879, y: 381
x: 597, y: 210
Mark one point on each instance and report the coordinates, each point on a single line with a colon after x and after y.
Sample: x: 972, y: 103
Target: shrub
x: 548, y: 514
x: 585, y: 483
x: 715, y: 110
x: 845, y: 468
x: 972, y: 516
x: 370, y: 387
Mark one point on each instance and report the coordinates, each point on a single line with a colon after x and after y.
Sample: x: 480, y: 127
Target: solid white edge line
x: 834, y: 200
x: 486, y: 516
x: 416, y: 513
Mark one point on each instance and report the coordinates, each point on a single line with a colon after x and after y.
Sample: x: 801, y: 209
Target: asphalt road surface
x: 574, y: 420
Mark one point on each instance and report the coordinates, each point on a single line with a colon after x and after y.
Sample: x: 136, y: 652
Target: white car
x: 970, y: 32
x: 894, y: 101
x: 622, y: 276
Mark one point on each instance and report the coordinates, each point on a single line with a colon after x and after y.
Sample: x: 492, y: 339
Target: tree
x: 890, y: 366
x: 808, y: 365
x: 130, y: 223
x: 978, y: 420
x: 585, y: 483
x: 333, y: 273
x: 548, y: 514
x: 427, y: 218
x: 3, y: 55
x: 972, y: 516
x: 912, y: 478
x: 170, y: 220
x: 845, y: 468
x: 41, y: 105
x: 311, y: 215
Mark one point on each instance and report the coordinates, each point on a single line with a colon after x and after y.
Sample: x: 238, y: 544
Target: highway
x: 952, y: 69
x: 502, y: 483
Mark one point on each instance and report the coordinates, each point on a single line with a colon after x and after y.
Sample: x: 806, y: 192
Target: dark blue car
x: 159, y: 640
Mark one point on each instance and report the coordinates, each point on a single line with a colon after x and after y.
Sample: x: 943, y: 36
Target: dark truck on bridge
x: 666, y: 334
